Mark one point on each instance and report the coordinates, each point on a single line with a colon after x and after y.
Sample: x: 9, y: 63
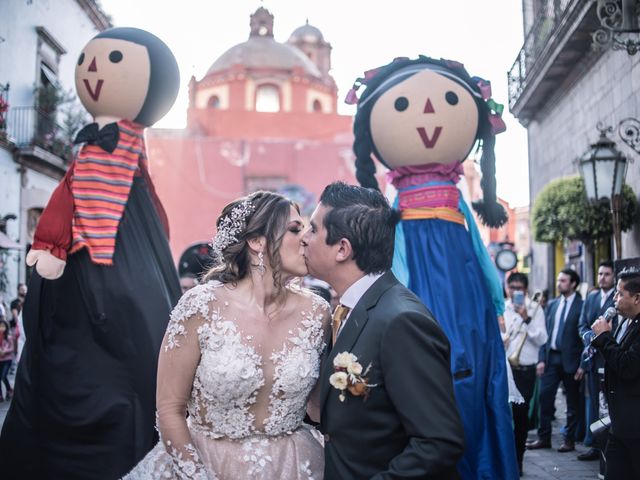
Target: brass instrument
x: 514, y: 358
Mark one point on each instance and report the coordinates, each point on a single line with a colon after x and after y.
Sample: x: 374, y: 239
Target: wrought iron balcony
x: 558, y: 38
x: 32, y: 127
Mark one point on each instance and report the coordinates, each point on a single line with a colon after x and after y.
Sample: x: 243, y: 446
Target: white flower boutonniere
x: 348, y: 376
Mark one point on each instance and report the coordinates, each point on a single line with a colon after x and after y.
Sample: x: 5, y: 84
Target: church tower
x: 262, y: 75
x: 311, y: 42
x: 261, y: 23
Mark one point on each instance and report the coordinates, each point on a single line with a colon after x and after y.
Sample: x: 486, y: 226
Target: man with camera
x: 595, y: 305
x: 526, y: 333
x: 621, y: 352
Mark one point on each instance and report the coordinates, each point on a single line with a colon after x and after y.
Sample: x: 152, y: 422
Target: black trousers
x: 525, y: 379
x: 592, y: 410
x: 623, y: 458
x: 553, y: 375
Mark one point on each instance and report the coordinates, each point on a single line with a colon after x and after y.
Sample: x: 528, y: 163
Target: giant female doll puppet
x: 104, y: 282
x: 421, y: 118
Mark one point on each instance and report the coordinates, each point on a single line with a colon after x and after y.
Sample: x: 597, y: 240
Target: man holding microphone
x: 621, y: 351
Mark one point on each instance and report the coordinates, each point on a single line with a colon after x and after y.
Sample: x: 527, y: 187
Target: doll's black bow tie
x: 106, y: 137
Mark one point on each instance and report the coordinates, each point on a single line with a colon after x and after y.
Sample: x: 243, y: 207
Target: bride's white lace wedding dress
x: 245, y: 384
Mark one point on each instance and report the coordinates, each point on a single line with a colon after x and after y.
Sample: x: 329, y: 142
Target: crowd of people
x: 573, y: 342
x: 11, y: 340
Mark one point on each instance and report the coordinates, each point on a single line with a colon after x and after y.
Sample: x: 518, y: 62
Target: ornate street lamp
x: 629, y: 132
x: 619, y: 21
x: 603, y: 169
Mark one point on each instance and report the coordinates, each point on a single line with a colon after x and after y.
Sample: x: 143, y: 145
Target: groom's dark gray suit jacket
x: 409, y: 426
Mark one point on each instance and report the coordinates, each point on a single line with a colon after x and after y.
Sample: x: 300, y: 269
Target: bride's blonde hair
x: 259, y: 214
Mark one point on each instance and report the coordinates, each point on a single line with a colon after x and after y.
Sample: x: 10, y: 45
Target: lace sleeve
x: 179, y: 358
x: 322, y: 313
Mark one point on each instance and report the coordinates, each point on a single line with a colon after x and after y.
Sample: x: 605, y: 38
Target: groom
x: 402, y: 420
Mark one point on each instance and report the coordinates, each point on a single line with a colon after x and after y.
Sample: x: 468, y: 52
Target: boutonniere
x: 349, y: 376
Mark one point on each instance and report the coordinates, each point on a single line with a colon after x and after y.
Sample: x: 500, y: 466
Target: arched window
x: 214, y: 102
x: 317, y: 106
x: 268, y: 99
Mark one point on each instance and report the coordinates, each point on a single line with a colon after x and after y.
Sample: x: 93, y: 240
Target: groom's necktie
x: 339, y: 314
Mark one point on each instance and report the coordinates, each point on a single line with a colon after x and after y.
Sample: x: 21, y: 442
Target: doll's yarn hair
x: 164, y: 78
x: 490, y: 212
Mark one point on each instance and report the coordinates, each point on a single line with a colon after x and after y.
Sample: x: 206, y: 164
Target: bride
x: 241, y: 356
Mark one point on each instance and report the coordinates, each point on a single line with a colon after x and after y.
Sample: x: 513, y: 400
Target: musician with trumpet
x: 526, y: 332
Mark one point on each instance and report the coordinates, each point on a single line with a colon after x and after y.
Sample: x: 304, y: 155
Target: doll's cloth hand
x: 47, y: 265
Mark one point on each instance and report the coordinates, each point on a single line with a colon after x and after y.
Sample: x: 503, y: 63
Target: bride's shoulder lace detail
x: 297, y: 367
x: 195, y: 301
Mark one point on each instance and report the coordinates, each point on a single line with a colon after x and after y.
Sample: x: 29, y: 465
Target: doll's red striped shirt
x: 100, y: 187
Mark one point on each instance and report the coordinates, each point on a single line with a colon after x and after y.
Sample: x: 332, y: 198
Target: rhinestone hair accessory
x: 230, y: 227
x: 630, y: 270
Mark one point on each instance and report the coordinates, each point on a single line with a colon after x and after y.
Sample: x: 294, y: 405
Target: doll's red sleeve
x: 53, y: 232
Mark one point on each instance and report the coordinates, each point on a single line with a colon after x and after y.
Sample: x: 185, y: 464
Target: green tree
x: 562, y: 211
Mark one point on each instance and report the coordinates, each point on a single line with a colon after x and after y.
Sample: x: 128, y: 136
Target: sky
x: 485, y: 36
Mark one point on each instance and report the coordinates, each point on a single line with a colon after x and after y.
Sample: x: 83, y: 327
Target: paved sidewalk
x: 4, y: 406
x: 549, y: 464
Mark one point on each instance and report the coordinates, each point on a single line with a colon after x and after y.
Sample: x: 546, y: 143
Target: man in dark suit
x: 402, y: 420
x: 559, y: 361
x: 621, y: 352
x: 596, y: 303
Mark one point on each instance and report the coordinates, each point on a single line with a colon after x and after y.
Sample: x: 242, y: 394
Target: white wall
x: 10, y: 203
x: 66, y: 22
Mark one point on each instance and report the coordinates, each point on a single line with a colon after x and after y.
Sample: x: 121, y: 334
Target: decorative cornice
x: 52, y: 42
x: 94, y: 11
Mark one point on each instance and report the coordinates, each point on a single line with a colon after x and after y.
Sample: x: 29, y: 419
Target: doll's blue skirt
x: 445, y: 273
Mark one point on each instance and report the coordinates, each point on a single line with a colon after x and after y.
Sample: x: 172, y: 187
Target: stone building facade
x: 560, y: 88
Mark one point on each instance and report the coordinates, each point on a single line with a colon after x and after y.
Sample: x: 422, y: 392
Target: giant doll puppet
x: 421, y: 119
x: 104, y: 282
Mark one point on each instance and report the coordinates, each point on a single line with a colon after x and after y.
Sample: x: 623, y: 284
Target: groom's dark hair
x: 362, y: 216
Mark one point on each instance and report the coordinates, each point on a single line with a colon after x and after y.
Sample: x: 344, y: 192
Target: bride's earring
x: 261, y: 267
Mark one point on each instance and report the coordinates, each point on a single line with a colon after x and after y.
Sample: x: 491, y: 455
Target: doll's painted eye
x: 81, y: 59
x: 401, y: 104
x: 115, y: 56
x: 451, y: 98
